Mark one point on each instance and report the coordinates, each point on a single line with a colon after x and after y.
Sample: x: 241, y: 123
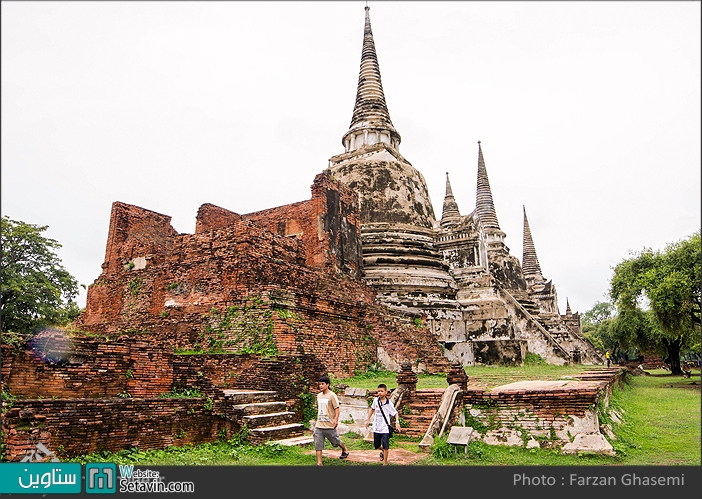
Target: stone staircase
x: 420, y: 411
x: 566, y: 338
x: 266, y: 418
x: 527, y: 302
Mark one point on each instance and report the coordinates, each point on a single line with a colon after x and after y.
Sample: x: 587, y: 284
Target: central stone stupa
x: 400, y: 258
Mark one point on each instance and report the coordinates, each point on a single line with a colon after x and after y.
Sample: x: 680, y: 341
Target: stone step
x: 414, y: 406
x: 414, y: 419
x: 415, y: 433
x: 530, y: 307
x: 301, y: 440
x: 418, y: 425
x: 249, y: 396
x: 269, y: 419
x: 428, y: 398
x: 279, y: 432
x: 419, y: 414
x: 260, y: 408
x: 425, y: 402
x: 416, y: 429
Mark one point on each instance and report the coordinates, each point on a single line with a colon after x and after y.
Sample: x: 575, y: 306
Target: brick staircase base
x: 420, y: 410
x: 266, y: 418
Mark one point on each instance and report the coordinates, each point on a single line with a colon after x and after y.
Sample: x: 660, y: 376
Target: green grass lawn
x: 660, y: 426
x: 661, y: 420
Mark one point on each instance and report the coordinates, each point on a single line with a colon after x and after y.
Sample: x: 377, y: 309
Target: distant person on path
x: 609, y: 357
x: 327, y: 420
x: 384, y: 410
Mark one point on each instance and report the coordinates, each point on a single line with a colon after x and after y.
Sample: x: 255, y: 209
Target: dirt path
x: 397, y: 456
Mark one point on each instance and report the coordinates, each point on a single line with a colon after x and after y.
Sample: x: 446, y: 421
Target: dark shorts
x: 381, y: 440
x: 329, y: 433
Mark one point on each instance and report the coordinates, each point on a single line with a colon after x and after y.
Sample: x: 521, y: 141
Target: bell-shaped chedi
x: 391, y: 190
x: 397, y: 217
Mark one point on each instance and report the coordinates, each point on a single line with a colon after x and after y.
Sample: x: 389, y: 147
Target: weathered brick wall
x: 58, y: 365
x: 215, y: 268
x: 136, y: 232
x: 69, y: 392
x: 7, y: 355
x: 71, y: 427
x: 289, y: 376
x: 63, y: 366
x: 210, y: 217
x: 328, y: 225
x: 536, y: 411
x: 327, y: 327
x: 654, y: 362
x: 192, y: 273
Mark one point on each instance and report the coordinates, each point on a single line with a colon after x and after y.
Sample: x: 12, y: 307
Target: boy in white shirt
x: 383, y: 410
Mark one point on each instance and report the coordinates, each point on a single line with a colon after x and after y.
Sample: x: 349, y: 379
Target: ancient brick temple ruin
x: 360, y: 275
x: 281, y: 281
x: 342, y: 271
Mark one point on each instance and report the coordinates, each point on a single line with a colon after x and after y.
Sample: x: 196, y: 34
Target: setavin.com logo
x: 101, y: 478
x: 149, y: 481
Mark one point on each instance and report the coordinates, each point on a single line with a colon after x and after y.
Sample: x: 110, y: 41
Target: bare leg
x: 385, y: 456
x: 319, y: 457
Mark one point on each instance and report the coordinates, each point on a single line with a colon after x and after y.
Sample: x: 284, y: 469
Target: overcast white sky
x: 588, y: 113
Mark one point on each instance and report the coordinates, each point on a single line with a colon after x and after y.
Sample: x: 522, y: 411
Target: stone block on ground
x: 532, y: 444
x: 355, y: 392
x: 594, y: 443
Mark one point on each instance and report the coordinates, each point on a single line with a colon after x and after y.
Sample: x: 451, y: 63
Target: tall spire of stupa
x: 530, y: 263
x: 484, y: 207
x: 370, y: 123
x: 450, y: 213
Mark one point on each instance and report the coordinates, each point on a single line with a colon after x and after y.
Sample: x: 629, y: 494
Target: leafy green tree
x: 599, y: 312
x: 657, y: 294
x: 602, y: 327
x: 36, y: 290
x: 596, y: 326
